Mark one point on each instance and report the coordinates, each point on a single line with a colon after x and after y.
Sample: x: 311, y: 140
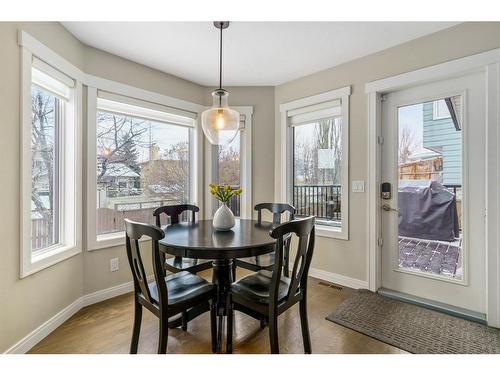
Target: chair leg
x: 184, y: 325
x: 137, y: 328
x: 213, y: 326
x: 273, y: 334
x: 230, y: 320
x: 306, y: 338
x: 233, y: 271
x: 163, y: 335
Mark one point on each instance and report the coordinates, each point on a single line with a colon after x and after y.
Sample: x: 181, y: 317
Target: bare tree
x: 117, y: 138
x: 43, y: 107
x: 229, y: 166
x: 407, y: 144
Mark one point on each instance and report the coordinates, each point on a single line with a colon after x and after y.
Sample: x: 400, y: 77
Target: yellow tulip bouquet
x: 223, y: 192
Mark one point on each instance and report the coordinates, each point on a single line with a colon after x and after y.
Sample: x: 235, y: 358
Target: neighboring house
x: 442, y: 134
x: 119, y: 176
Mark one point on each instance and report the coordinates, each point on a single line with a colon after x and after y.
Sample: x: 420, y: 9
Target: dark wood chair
x: 178, y: 264
x: 266, y: 261
x: 167, y: 296
x: 268, y: 294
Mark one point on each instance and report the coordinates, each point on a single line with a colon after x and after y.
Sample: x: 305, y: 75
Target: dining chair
x: 266, y: 261
x: 178, y: 264
x: 269, y: 293
x: 166, y: 296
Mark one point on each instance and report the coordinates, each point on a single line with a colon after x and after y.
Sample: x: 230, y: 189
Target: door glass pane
x: 229, y: 171
x: 46, y: 109
x: 430, y: 187
x: 317, y: 156
x: 141, y: 165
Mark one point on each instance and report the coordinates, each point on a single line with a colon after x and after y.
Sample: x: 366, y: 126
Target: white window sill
x: 331, y: 232
x: 104, y: 241
x: 48, y: 257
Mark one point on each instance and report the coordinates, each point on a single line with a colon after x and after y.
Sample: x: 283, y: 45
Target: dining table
x: 199, y: 240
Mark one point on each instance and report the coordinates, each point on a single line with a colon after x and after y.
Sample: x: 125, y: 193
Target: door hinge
x: 380, y: 140
x: 380, y: 242
x: 383, y: 97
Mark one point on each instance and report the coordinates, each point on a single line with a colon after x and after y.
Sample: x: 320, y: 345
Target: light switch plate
x: 358, y: 186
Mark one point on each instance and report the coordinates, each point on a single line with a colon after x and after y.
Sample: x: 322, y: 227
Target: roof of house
x: 119, y: 170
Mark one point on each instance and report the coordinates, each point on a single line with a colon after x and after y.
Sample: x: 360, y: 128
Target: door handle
x: 387, y: 207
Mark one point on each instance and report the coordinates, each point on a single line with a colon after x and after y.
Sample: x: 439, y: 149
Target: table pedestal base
x: 222, y: 279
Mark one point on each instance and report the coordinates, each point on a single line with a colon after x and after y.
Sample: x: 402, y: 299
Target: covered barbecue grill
x: 427, y: 210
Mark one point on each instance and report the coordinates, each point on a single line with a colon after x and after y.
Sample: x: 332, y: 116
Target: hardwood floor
x: 106, y: 327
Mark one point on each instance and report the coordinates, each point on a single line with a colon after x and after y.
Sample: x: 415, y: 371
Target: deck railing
x: 322, y: 201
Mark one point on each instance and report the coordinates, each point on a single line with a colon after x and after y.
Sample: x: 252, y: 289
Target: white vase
x: 223, y: 219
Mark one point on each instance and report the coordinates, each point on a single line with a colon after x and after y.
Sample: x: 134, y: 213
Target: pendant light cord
x: 220, y: 59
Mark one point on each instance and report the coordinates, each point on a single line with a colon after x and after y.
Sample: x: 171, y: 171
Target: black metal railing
x: 322, y: 201
x: 453, y: 188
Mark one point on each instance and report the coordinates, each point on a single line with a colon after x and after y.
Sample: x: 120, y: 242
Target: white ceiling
x: 255, y: 53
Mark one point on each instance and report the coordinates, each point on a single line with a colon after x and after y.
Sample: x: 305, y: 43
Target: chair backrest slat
x: 304, y: 230
x: 277, y: 209
x: 174, y: 212
x: 134, y: 231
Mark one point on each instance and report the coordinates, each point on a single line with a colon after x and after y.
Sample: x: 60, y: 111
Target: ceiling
x: 255, y: 53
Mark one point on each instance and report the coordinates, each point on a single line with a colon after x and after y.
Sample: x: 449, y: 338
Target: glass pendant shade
x: 220, y: 123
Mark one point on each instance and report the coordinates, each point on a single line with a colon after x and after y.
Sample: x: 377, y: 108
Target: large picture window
x: 143, y: 159
x: 51, y: 165
x: 315, y: 159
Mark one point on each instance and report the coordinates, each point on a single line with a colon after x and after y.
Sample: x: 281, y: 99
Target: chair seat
x: 255, y: 287
x: 181, y: 287
x: 188, y: 264
x: 262, y: 261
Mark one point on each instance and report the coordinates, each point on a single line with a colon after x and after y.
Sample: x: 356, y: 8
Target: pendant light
x: 220, y: 123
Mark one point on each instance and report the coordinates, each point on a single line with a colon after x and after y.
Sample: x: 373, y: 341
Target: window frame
x: 70, y: 162
x: 134, y: 96
x: 211, y: 157
x: 435, y: 110
x: 316, y: 103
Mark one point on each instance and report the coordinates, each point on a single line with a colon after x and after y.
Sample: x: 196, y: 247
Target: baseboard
x: 104, y: 294
x: 34, y: 337
x: 335, y: 278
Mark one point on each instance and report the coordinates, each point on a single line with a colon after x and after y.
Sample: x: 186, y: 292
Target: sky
x: 412, y: 117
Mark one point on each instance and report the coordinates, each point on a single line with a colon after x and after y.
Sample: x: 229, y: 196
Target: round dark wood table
x: 200, y: 240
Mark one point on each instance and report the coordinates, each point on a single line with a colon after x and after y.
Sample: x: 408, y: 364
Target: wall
x: 349, y: 258
x: 29, y: 302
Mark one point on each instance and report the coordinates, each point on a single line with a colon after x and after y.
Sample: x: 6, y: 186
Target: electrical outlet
x: 114, y: 264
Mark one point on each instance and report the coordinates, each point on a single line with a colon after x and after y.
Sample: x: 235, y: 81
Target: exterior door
x: 433, y: 212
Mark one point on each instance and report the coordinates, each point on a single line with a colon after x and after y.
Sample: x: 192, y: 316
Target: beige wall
x: 349, y: 258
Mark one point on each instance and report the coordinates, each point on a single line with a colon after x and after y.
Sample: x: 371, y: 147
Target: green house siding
x: 441, y: 136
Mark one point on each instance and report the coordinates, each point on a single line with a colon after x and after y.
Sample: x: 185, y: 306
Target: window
x: 231, y: 165
x: 440, y: 110
x: 50, y: 226
x: 228, y: 169
x: 143, y: 159
x: 315, y: 158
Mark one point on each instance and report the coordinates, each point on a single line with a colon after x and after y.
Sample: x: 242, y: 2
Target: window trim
x: 246, y: 208
x: 134, y: 96
x: 435, y: 110
x: 286, y: 154
x: 71, y: 162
